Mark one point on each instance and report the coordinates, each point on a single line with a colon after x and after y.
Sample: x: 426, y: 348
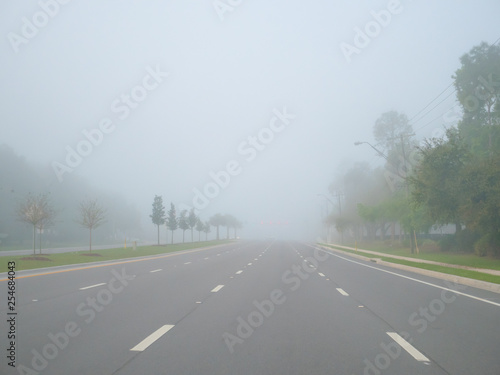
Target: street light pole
x: 404, y: 177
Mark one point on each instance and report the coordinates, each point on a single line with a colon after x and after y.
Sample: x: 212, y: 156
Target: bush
x: 448, y: 243
x: 483, y: 246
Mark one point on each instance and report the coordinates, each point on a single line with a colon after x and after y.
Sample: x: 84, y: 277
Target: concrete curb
x: 492, y: 287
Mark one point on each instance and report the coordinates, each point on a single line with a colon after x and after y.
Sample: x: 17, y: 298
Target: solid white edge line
x: 152, y: 338
x: 92, y: 286
x: 408, y: 347
x: 410, y: 278
x: 342, y: 291
x: 217, y: 288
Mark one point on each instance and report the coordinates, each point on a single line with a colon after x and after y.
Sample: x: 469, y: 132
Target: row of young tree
x: 448, y: 179
x: 38, y: 212
x: 21, y: 178
x: 188, y: 220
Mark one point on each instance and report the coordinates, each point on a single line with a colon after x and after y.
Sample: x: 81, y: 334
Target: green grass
x: 469, y: 260
x: 104, y: 255
x: 449, y: 270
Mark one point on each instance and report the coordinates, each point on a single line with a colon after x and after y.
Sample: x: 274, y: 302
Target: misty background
x: 210, y: 75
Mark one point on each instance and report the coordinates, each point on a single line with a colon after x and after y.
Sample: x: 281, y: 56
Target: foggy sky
x: 206, y: 82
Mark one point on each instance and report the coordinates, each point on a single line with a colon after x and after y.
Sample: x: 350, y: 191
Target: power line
x: 423, y: 109
x: 420, y: 119
x: 433, y: 100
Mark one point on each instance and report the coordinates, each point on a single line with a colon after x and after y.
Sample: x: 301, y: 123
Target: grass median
x: 449, y: 270
x: 27, y: 262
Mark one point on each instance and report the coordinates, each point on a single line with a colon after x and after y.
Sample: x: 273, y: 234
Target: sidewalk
x: 416, y: 260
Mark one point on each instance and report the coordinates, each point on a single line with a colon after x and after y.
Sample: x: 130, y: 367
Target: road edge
x: 484, y: 285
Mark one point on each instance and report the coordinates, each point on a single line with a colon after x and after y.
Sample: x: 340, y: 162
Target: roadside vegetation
x: 447, y: 183
x: 462, y: 260
x: 27, y: 262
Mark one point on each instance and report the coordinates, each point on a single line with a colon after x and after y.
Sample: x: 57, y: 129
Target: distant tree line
x: 188, y: 220
x: 452, y: 179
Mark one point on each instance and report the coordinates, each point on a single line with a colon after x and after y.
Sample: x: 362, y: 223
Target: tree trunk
x: 158, y: 234
x: 90, y: 240
x: 183, y: 232
x: 172, y: 237
x: 34, y: 230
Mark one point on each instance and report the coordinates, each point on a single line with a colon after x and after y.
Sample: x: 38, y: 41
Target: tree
x: 206, y: 229
x: 192, y: 220
x: 37, y: 211
x: 199, y: 227
x: 390, y: 127
x: 477, y: 83
x: 217, y: 220
x: 437, y: 182
x: 172, y: 222
x: 92, y: 215
x: 183, y: 222
x: 158, y: 215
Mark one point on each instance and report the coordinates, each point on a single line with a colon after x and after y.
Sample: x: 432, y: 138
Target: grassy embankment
x: 467, y: 260
x: 26, y: 262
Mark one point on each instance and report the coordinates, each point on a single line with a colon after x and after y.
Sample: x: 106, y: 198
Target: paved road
x: 249, y: 308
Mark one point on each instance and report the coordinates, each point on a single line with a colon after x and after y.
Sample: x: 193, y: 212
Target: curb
x: 484, y: 285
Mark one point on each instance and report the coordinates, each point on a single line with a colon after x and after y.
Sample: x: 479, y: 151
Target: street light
x: 412, y: 231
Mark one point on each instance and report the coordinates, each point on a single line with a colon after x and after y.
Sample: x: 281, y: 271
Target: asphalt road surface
x: 247, y: 308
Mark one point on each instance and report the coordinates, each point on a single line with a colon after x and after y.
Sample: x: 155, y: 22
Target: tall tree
x: 206, y: 229
x: 37, y: 211
x: 199, y: 227
x: 437, y: 182
x: 389, y: 128
x: 192, y: 220
x: 158, y: 215
x: 217, y: 220
x: 183, y: 222
x: 92, y: 215
x: 172, y: 222
x: 477, y: 83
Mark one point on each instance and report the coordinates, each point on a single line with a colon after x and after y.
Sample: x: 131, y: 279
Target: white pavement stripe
x: 240, y: 271
x: 249, y: 264
x: 217, y: 288
x: 187, y: 263
x: 158, y: 270
x: 92, y: 286
x: 152, y: 338
x: 410, y: 278
x: 408, y: 347
x: 322, y: 275
x: 342, y: 291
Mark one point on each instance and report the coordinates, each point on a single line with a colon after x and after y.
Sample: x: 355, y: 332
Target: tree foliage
x: 37, y: 211
x: 92, y: 215
x: 158, y: 215
x: 172, y: 223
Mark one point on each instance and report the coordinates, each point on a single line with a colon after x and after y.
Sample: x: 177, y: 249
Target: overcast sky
x: 170, y: 91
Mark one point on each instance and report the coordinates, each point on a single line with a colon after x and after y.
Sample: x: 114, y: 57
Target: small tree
x: 37, y: 211
x: 200, y: 227
x: 92, y: 215
x: 158, y: 215
x: 172, y: 223
x: 183, y: 223
x: 206, y: 229
x: 192, y: 220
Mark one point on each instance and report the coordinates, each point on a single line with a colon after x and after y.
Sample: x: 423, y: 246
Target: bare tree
x: 37, y: 211
x: 92, y: 215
